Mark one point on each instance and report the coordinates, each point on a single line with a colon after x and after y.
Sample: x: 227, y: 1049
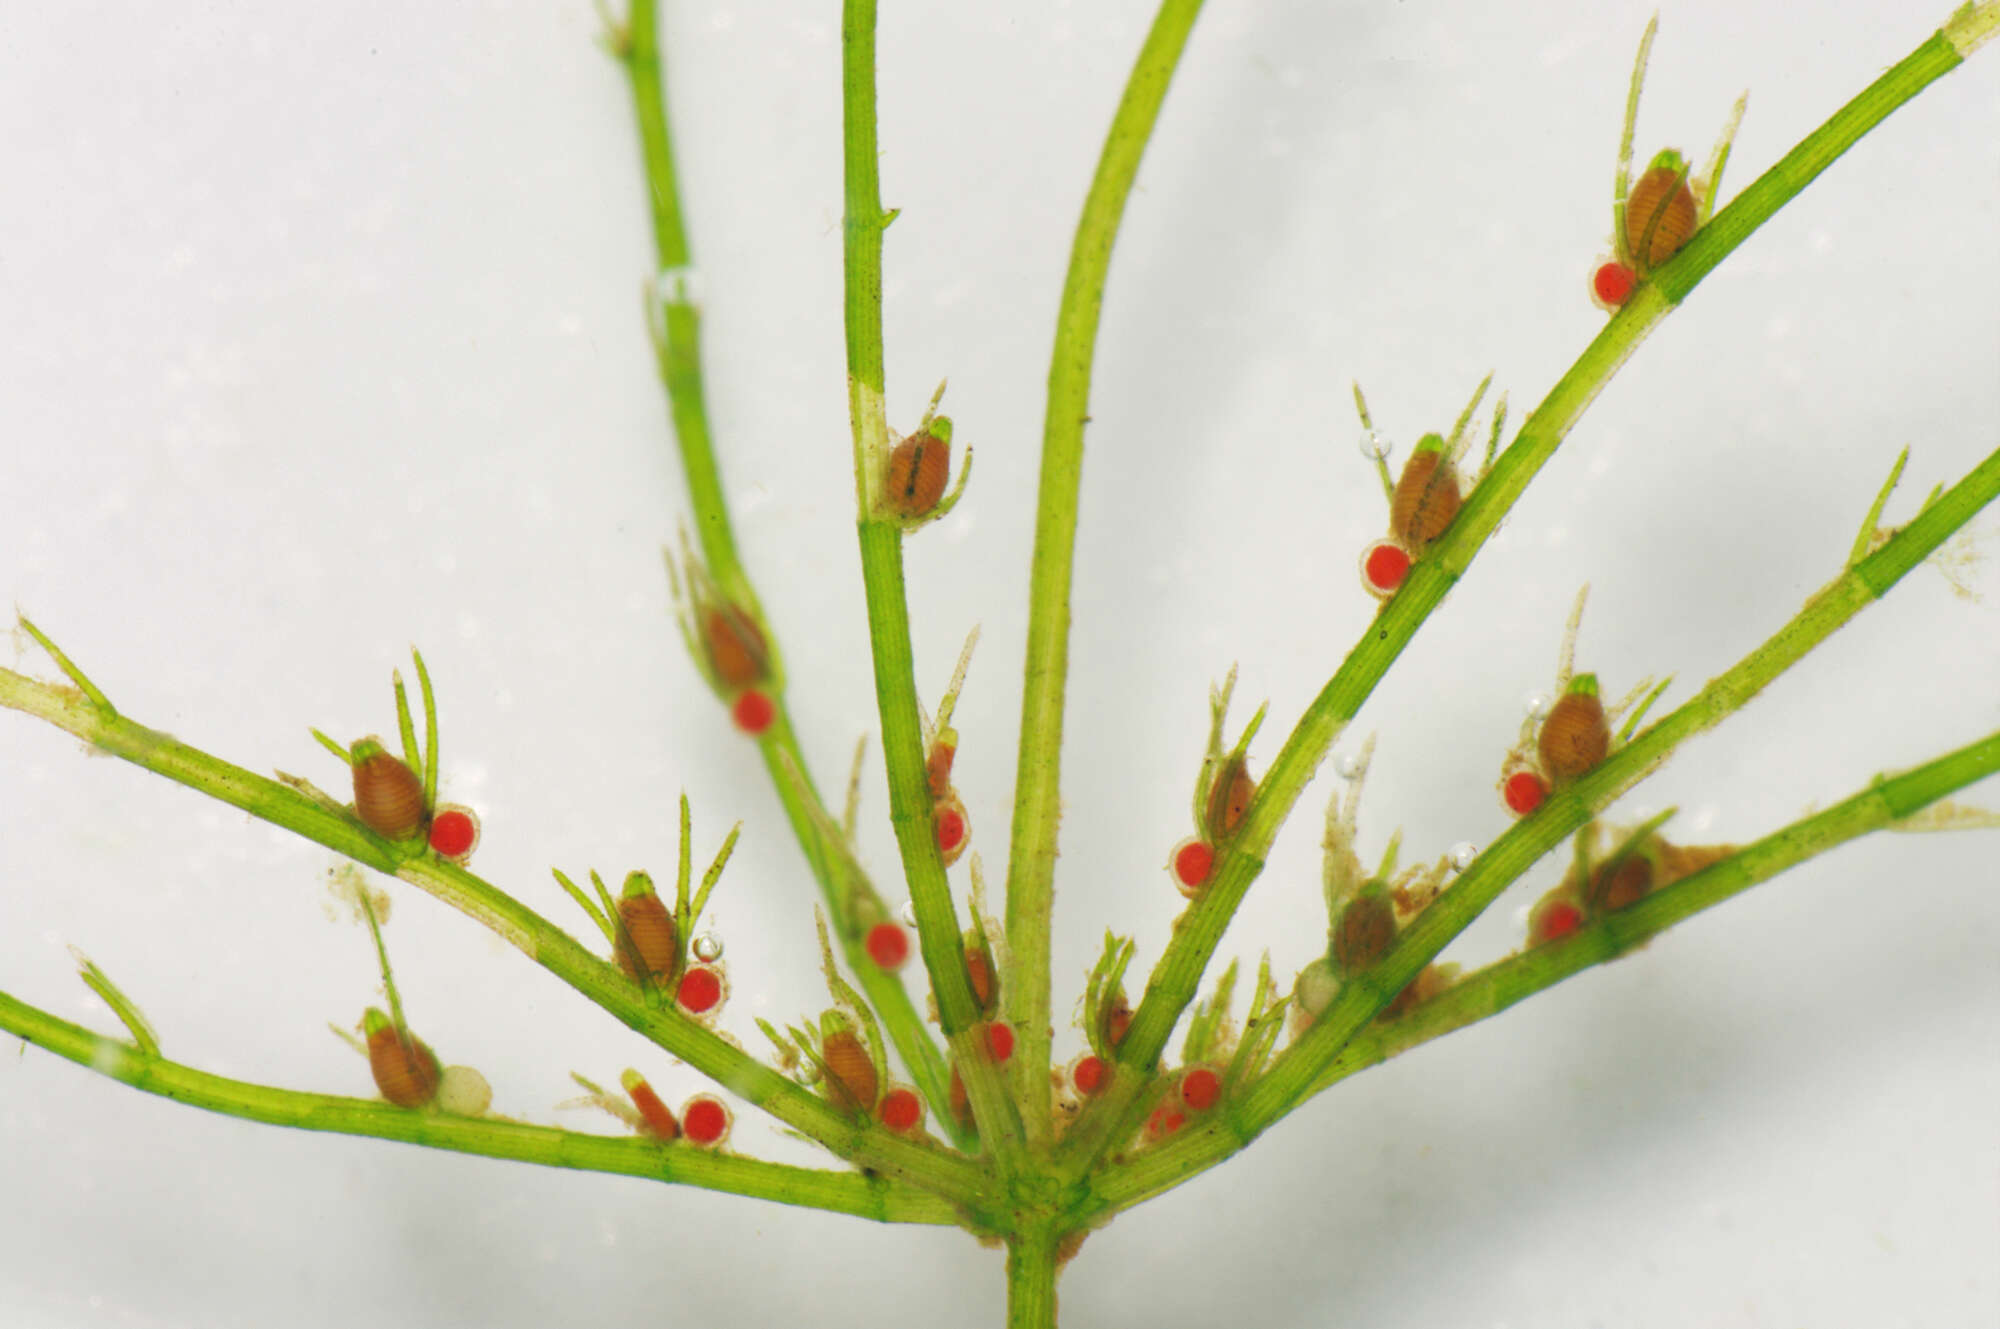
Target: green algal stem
x: 1498, y: 986
x: 678, y: 344
x: 1031, y: 1279
x: 1176, y: 977
x: 1302, y: 1064
x: 536, y: 937
x: 1037, y: 784
x: 881, y: 539
x: 860, y: 1194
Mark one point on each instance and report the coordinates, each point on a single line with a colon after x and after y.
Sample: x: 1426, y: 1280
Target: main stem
x: 1031, y: 1279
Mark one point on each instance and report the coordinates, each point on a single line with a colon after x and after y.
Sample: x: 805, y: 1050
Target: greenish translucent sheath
x: 840, y: 878
x: 861, y: 1194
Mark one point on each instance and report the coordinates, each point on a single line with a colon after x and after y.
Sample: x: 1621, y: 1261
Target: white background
x: 322, y: 337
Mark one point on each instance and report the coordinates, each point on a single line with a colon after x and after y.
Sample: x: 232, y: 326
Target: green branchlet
x: 1375, y: 994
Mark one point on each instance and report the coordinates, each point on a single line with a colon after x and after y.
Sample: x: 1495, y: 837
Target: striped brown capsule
x: 918, y: 469
x: 1426, y: 497
x: 937, y: 766
x: 1229, y: 798
x: 648, y: 945
x: 1117, y: 1020
x: 736, y: 651
x: 1576, y: 736
x: 1366, y: 928
x: 979, y: 972
x: 960, y: 1102
x: 406, y: 1071
x: 388, y: 796
x: 1621, y: 885
x: 654, y: 1117
x: 1660, y: 213
x: 852, y: 1084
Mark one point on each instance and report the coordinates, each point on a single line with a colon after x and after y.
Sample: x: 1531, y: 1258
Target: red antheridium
x: 454, y: 833
x: 1523, y: 792
x: 901, y: 1110
x: 1200, y: 1089
x: 701, y: 990
x: 999, y: 1040
x: 1611, y: 284
x: 888, y: 945
x: 705, y: 1120
x: 1384, y: 565
x: 1192, y: 863
x: 1554, y: 917
x: 753, y: 712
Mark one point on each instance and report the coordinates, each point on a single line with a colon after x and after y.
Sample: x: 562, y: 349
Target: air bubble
x: 909, y: 913
x: 1536, y: 705
x: 807, y: 1073
x: 1462, y: 854
x: 1348, y: 767
x: 1376, y: 446
x: 708, y: 948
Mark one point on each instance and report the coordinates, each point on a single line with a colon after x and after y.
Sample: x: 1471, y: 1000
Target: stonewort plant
x: 329, y: 334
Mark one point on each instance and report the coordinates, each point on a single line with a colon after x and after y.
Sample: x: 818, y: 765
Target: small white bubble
x: 1348, y: 767
x: 678, y: 286
x: 1376, y: 446
x: 708, y: 948
x: 909, y: 913
x: 1536, y: 705
x: 1462, y: 854
x: 807, y: 1073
